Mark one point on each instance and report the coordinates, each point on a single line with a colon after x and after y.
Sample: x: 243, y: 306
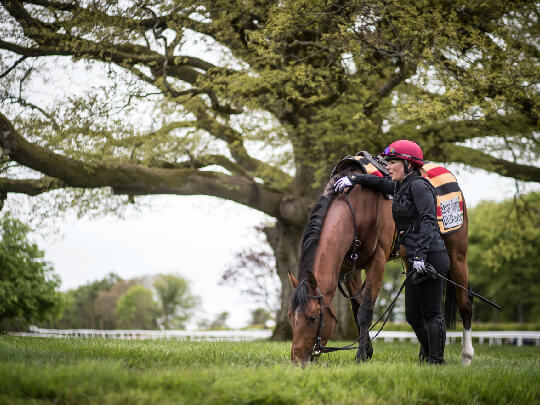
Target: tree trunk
x: 285, y: 242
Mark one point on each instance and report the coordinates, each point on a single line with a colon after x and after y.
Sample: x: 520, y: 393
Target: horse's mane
x: 310, y: 241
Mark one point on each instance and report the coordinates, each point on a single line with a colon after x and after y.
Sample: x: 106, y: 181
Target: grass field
x: 100, y: 371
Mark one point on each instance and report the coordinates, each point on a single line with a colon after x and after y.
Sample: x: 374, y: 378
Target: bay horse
x: 326, y: 241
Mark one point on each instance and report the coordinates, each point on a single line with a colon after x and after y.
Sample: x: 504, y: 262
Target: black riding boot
x: 436, y: 339
x: 422, y: 335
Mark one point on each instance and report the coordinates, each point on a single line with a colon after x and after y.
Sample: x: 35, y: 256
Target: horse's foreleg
x: 459, y: 273
x: 366, y: 302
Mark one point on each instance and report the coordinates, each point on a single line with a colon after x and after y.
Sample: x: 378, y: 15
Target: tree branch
x: 30, y: 186
x: 463, y: 130
x: 461, y: 154
x: 137, y: 179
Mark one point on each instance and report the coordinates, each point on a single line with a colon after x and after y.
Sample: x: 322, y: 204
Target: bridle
x: 318, y: 348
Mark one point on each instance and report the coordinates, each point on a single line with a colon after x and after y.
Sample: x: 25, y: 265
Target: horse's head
x: 312, y: 320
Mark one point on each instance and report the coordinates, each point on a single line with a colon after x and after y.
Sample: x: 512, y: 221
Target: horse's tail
x: 450, y: 305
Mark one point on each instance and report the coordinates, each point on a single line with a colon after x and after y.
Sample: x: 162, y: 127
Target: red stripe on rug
x: 436, y: 171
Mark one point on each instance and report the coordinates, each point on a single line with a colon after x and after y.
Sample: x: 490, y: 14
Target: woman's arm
x: 425, y: 205
x: 382, y: 184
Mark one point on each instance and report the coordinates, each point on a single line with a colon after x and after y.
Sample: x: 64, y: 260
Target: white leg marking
x: 467, y: 353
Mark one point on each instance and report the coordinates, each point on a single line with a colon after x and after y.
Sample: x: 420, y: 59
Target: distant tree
x: 259, y: 317
x: 136, y: 309
x: 220, y: 321
x: 80, y: 310
x: 175, y: 299
x: 27, y: 283
x: 504, y: 258
x: 106, y: 301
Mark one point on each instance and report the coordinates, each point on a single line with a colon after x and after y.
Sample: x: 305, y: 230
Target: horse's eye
x: 312, y: 318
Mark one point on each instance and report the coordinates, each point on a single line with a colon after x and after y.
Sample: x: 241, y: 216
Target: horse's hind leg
x: 459, y: 273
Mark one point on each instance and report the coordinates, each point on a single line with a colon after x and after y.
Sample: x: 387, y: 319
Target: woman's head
x: 403, y: 156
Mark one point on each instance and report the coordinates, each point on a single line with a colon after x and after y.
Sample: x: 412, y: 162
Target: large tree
x: 308, y: 80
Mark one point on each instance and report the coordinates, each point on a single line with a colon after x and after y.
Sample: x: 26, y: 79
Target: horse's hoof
x: 369, y: 350
x: 361, y: 356
x: 466, y: 361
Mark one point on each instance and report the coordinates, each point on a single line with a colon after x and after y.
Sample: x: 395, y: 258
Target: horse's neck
x: 335, y: 240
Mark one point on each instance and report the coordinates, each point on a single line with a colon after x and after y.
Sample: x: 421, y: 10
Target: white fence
x: 210, y: 335
x: 492, y: 338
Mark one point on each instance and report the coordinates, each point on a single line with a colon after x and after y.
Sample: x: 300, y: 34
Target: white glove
x: 342, y: 184
x: 420, y: 267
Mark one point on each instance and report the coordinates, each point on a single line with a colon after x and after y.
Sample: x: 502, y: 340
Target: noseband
x: 318, y: 348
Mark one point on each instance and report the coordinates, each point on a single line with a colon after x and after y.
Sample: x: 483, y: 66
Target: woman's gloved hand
x: 347, y: 183
x: 420, y: 267
x: 342, y: 184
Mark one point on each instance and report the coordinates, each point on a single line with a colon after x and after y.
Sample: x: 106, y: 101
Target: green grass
x: 101, y: 371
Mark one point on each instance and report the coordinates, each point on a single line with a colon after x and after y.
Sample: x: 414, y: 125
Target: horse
x: 326, y: 242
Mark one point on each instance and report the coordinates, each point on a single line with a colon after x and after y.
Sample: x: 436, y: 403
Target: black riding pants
x: 423, y: 299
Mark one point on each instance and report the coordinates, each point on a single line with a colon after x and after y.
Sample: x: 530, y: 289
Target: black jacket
x: 413, y: 211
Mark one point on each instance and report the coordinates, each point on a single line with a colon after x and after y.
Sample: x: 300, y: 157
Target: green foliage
x: 113, y: 303
x: 177, y: 372
x: 504, y: 258
x: 27, y: 283
x: 260, y: 316
x: 80, y: 309
x: 312, y: 80
x: 136, y: 309
x: 176, y: 302
x: 219, y: 322
x: 392, y: 280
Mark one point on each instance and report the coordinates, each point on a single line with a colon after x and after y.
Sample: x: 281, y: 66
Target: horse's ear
x: 311, y: 280
x: 293, y: 280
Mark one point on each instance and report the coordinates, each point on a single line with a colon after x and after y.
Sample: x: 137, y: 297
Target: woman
x: 414, y: 214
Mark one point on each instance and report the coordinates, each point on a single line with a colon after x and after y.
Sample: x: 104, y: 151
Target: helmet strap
x: 407, y: 166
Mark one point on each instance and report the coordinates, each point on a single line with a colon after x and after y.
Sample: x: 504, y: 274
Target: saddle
x: 363, y: 161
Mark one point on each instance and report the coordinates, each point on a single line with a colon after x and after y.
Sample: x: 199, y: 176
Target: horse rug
x: 449, y: 197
